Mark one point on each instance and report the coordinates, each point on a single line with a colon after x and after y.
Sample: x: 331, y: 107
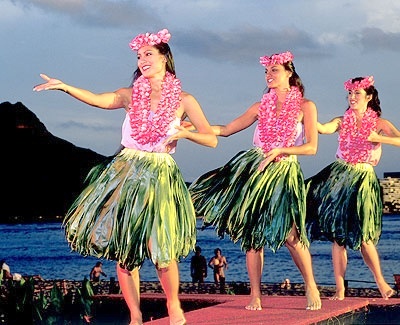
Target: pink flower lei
x: 362, y: 84
x: 353, y: 141
x: 147, y: 129
x: 277, y: 131
x: 276, y: 59
x: 163, y: 36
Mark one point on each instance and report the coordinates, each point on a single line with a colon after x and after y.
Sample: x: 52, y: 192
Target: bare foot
x: 136, y: 318
x: 313, y: 299
x: 255, y: 304
x: 176, y: 317
x: 385, y: 290
x: 339, y: 295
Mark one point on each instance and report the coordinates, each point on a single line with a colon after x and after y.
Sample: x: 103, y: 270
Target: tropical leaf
x: 57, y: 299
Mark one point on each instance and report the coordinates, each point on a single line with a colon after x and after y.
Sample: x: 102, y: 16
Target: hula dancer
x: 344, y: 203
x: 138, y: 206
x: 259, y: 196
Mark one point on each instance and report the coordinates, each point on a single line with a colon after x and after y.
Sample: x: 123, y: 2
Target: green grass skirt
x: 257, y: 208
x: 344, y: 204
x: 135, y: 207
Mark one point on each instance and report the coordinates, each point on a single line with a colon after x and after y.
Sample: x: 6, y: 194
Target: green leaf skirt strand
x: 344, y: 204
x: 256, y: 208
x: 134, y: 207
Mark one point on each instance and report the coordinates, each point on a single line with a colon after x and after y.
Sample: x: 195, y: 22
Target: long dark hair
x: 375, y: 102
x: 294, y: 79
x: 165, y: 50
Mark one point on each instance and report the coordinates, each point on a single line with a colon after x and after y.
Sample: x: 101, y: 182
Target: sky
x: 216, y: 46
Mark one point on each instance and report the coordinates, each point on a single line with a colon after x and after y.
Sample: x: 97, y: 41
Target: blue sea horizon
x: 41, y: 249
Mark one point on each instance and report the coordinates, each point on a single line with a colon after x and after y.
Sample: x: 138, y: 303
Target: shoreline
x: 59, y: 219
x: 111, y: 287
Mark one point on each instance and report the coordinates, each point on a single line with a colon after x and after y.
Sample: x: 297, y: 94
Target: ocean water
x: 41, y: 249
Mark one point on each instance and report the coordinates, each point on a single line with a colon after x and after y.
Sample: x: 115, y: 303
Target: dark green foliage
x: 20, y: 304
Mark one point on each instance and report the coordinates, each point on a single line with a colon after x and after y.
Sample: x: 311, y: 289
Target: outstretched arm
x: 375, y: 137
x: 204, y: 135
x: 387, y: 133
x: 330, y: 127
x: 108, y: 100
x: 238, y: 124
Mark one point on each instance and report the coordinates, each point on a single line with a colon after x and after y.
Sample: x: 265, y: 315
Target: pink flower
x: 365, y: 83
x: 144, y: 128
x: 163, y: 36
x: 353, y: 141
x: 276, y: 59
x: 279, y: 131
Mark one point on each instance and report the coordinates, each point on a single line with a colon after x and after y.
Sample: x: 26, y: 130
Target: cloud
x: 216, y: 46
x: 375, y: 39
x: 383, y: 13
x: 96, y: 126
x: 244, y: 43
x: 103, y: 13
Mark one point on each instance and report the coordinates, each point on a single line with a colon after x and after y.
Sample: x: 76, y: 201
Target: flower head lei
x: 278, y: 131
x: 366, y: 82
x: 163, y: 36
x: 276, y: 58
x: 353, y: 141
x: 149, y: 127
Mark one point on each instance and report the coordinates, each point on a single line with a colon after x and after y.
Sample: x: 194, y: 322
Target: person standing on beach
x: 344, y: 203
x: 218, y: 263
x: 96, y: 271
x: 198, y: 266
x: 137, y: 205
x: 94, y: 276
x: 259, y: 196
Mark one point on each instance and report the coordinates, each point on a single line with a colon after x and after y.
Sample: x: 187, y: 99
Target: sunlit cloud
x: 383, y: 13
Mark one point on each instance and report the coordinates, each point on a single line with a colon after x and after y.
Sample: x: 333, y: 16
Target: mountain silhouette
x: 41, y: 174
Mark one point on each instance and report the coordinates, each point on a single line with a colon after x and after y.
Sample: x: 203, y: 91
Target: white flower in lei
x: 277, y: 131
x: 146, y: 129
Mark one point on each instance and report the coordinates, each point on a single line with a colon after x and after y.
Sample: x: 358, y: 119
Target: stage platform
x: 277, y: 310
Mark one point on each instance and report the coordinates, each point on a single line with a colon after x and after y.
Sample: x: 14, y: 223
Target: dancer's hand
x: 188, y: 125
x: 50, y: 84
x: 269, y: 156
x: 374, y: 137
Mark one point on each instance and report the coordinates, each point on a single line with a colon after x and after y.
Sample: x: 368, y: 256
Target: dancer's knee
x: 292, y: 240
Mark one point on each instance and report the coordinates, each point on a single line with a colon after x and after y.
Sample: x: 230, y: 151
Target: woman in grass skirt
x: 258, y: 197
x: 344, y: 203
x: 138, y: 206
